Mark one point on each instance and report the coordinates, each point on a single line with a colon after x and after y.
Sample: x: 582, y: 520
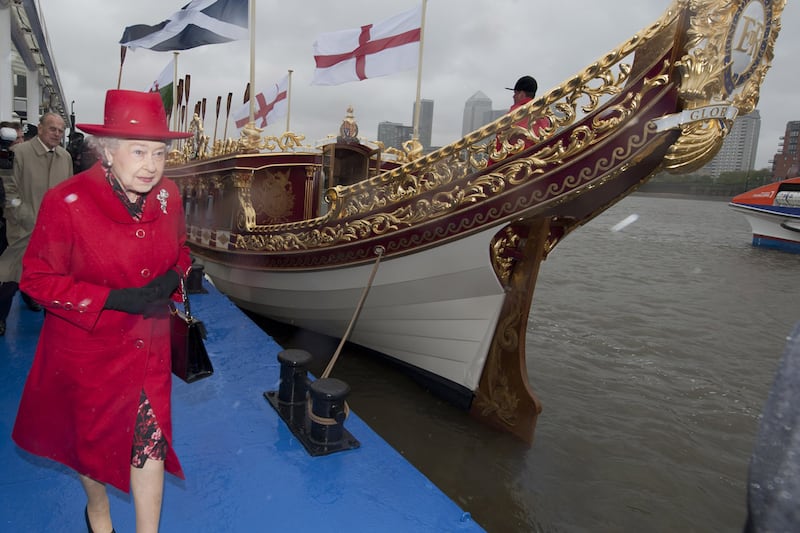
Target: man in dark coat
x: 39, y: 164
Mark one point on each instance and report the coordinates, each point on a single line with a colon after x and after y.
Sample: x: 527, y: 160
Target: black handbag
x: 190, y: 360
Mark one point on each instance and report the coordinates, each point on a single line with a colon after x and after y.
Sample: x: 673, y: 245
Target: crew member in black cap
x: 524, y: 92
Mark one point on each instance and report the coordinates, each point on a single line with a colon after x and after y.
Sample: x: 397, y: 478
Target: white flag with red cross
x: 270, y: 105
x: 369, y: 51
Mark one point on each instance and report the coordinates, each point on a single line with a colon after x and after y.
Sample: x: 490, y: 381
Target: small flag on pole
x: 198, y: 23
x: 370, y: 51
x: 270, y: 106
x: 163, y: 85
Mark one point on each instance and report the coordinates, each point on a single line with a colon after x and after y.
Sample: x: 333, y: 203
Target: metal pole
x: 417, y: 105
x: 289, y: 100
x: 252, y: 25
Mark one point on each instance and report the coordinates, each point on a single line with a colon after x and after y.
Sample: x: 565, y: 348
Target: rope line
x: 325, y: 421
x: 379, y: 251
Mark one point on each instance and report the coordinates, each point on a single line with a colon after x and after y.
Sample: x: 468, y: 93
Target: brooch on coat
x: 162, y: 200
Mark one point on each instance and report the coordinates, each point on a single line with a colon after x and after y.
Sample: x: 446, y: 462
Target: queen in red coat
x: 104, y: 260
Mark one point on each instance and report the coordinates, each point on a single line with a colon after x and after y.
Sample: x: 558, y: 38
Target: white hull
x: 771, y: 225
x: 436, y: 309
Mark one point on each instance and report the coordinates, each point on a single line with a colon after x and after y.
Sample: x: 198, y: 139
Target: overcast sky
x: 470, y: 46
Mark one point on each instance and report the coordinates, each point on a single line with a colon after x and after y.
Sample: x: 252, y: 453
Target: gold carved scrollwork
x: 455, y: 179
x: 199, y: 145
x: 504, y: 249
x: 716, y: 31
x: 246, y: 215
x: 250, y: 139
x: 273, y: 199
x: 460, y: 173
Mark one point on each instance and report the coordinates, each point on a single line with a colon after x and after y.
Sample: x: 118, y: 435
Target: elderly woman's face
x: 138, y: 165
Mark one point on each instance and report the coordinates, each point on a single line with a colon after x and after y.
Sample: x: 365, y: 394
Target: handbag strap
x: 185, y: 294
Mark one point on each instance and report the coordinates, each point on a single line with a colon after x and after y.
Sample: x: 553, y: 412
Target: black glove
x: 165, y: 283
x: 136, y: 301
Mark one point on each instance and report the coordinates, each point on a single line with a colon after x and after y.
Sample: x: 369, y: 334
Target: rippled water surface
x: 652, y: 349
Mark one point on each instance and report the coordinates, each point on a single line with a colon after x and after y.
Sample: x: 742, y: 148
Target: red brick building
x: 786, y: 163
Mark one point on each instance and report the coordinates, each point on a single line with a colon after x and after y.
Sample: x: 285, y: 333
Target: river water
x: 652, y: 349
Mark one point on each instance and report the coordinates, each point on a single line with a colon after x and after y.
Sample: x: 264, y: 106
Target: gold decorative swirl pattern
x: 358, y: 203
x: 441, y: 204
x: 583, y: 112
x: 712, y: 33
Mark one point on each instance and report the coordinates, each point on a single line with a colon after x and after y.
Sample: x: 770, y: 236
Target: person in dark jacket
x: 39, y: 164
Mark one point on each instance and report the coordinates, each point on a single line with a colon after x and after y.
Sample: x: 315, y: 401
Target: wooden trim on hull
x: 504, y: 398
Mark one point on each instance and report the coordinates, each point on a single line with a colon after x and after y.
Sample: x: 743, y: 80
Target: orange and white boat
x: 773, y: 212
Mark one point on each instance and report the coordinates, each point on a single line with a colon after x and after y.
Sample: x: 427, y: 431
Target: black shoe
x: 89, y: 524
x: 2, y: 327
x: 86, y: 516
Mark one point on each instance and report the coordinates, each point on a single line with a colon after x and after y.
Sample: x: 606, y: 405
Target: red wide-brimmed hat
x: 133, y: 115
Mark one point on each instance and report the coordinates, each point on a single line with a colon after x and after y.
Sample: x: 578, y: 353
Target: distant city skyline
x: 737, y: 154
x: 394, y: 134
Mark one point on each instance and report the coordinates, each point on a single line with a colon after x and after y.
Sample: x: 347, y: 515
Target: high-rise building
x: 786, y: 163
x: 494, y: 114
x: 425, y: 122
x: 738, y: 151
x: 477, y: 110
x: 394, y: 134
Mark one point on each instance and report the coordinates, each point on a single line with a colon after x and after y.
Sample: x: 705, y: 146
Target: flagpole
x: 289, y: 99
x: 122, y: 52
x: 417, y: 105
x: 175, y: 91
x: 252, y: 24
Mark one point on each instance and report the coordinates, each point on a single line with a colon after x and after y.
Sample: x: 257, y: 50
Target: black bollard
x: 328, y: 410
x: 314, y: 411
x: 294, y: 376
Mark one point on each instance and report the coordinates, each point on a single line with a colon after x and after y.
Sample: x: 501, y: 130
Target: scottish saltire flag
x: 369, y: 51
x: 164, y: 85
x: 270, y: 105
x: 198, y: 23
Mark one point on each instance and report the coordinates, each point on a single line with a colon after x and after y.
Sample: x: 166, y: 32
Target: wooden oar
x: 227, y: 114
x: 178, y: 104
x: 203, y: 110
x: 183, y: 118
x: 216, y: 120
x: 186, y: 88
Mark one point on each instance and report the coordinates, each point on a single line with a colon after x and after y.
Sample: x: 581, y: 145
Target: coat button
x: 68, y: 306
x: 140, y: 233
x: 145, y: 272
x: 139, y: 343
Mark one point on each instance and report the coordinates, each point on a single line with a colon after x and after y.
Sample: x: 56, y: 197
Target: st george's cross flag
x: 164, y: 85
x: 270, y: 105
x: 198, y: 23
x: 370, y: 51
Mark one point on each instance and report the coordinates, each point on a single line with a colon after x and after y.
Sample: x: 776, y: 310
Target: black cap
x: 526, y: 84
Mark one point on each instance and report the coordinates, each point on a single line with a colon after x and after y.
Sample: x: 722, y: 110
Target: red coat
x: 81, y: 397
x: 538, y: 128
